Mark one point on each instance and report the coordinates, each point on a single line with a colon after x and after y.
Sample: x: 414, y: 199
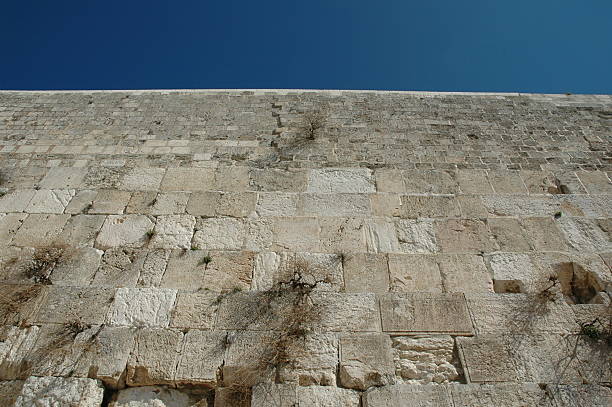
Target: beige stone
x: 219, y: 234
x: 425, y: 313
x: 366, y: 272
x: 276, y: 180
x: 50, y: 201
x: 276, y: 204
x: 9, y: 391
x: 464, y: 236
x: 59, y: 391
x: 430, y: 182
x: 464, y: 273
x: 509, y: 235
x: 63, y: 178
x: 65, y: 304
x: 335, y: 204
x: 173, y: 232
x: 507, y: 182
x: 296, y: 234
x: 142, y: 307
x: 124, y: 230
x: 201, y: 357
x: 418, y: 206
x: 9, y: 223
x: 195, y: 310
x: 16, y: 201
x: 380, y: 236
x: 473, y: 182
x: 416, y: 236
x: 155, y: 357
x: 341, y: 235
x: 425, y: 359
x: 15, y: 347
x: 544, y: 234
x: 512, y: 272
x: 188, y: 179
x: 153, y: 203
x: 81, y: 202
x: 386, y: 204
x: 341, y: 180
x: 155, y: 396
x: 80, y: 230
x: 110, y: 202
x: 366, y: 361
x: 414, y: 273
x: 142, y: 179
x: 77, y: 267
x: 596, y: 182
x: 40, y: 230
x: 389, y: 180
x: 416, y: 394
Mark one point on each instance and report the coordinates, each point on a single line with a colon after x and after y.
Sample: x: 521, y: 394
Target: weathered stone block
x: 430, y: 182
x: 201, y: 357
x: 219, y: 234
x: 418, y: 206
x: 80, y: 230
x: 50, y: 201
x: 416, y: 236
x: 154, y: 358
x: 195, y: 310
x: 341, y: 180
x: 464, y: 236
x: 335, y: 205
x: 142, y: 179
x: 16, y: 201
x: 110, y: 202
x: 9, y: 223
x: 425, y: 313
x: 380, y: 236
x: 366, y: 272
x: 40, y: 230
x: 296, y: 234
x: 425, y: 359
x: 416, y: 394
x: 59, y: 391
x: 173, y: 232
x: 188, y: 179
x: 366, y: 361
x: 464, y: 273
x: 63, y: 178
x: 473, y: 182
x: 277, y: 204
x: 142, y: 307
x: 65, y: 304
x: 124, y: 230
x: 276, y: 180
x: 506, y: 182
x: 414, y: 273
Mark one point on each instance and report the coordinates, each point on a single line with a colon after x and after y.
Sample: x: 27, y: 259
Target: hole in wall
x: 578, y: 285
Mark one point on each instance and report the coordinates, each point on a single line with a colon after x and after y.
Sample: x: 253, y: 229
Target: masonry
x: 304, y: 248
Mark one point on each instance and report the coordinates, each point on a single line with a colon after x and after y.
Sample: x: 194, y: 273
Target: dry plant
x: 291, y: 311
x: 15, y: 304
x: 43, y: 262
x: 312, y: 123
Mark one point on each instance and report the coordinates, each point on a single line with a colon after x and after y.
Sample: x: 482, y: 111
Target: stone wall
x: 304, y: 248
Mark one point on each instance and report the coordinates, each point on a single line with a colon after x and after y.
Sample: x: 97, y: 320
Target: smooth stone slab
x: 485, y: 359
x: 110, y: 202
x: 81, y: 230
x: 153, y: 203
x: 299, y: 234
x: 500, y: 394
x: 9, y: 224
x: 430, y: 182
x: 418, y: 206
x: 366, y: 272
x: 276, y: 204
x: 464, y: 236
x: 188, y: 179
x: 463, y: 273
x: 335, y: 205
x: 425, y: 313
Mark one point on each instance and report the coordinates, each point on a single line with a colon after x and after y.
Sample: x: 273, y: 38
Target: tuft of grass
x: 206, y: 260
x: 42, y: 264
x: 312, y: 123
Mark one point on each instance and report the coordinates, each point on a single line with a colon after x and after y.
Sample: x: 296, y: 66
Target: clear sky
x: 436, y: 45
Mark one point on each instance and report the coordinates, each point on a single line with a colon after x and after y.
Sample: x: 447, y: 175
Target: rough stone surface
x: 124, y: 230
x: 58, y: 391
x: 142, y: 307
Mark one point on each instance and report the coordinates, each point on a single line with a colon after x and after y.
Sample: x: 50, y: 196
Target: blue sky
x: 446, y: 45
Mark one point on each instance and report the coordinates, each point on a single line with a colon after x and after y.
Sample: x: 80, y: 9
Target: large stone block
x: 188, y: 179
x: 80, y: 230
x: 464, y: 236
x: 276, y: 180
x: 419, y: 206
x: 366, y: 361
x: 296, y: 234
x: 124, y: 230
x: 219, y: 234
x: 416, y: 236
x: 408, y: 395
x: 155, y: 356
x: 16, y: 201
x: 277, y: 204
x: 142, y: 307
x: 15, y: 347
x: 425, y: 359
x: 430, y: 182
x: 341, y: 180
x: 414, y: 273
x: 59, y: 391
x: 473, y: 182
x: 40, y: 230
x: 109, y: 202
x: 201, y: 358
x: 50, y: 201
x: 195, y: 310
x: 285, y: 395
x: 153, y: 203
x: 9, y: 223
x: 173, y: 232
x: 63, y: 304
x: 366, y: 272
x: 425, y: 313
x: 142, y: 179
x: 464, y: 273
x: 63, y: 178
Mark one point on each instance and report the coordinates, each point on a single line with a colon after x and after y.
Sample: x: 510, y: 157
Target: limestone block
x: 342, y: 235
x: 430, y: 182
x: 464, y: 273
x: 59, y: 391
x: 285, y: 395
x: 231, y: 179
x: 296, y: 234
x: 580, y: 395
x: 225, y: 271
x: 366, y: 272
x: 173, y: 232
x: 65, y: 304
x: 103, y: 177
x: 259, y: 234
x: 276, y: 180
x: 120, y: 267
x: 9, y: 223
x: 257, y: 310
x: 77, y: 267
x: 19, y: 303
x: 519, y: 313
x: 142, y: 179
x: 154, y: 396
x: 428, y: 395
x: 155, y: 356
x: 389, y: 180
x: 341, y: 180
x: 380, y: 236
x: 509, y: 235
x: 473, y: 182
x: 512, y: 272
x: 584, y: 235
x: 335, y: 204
x: 366, y: 361
x: 81, y: 202
x: 63, y: 178
x: 593, y: 206
x: 425, y: 313
x: 419, y: 206
x: 521, y: 205
x: 414, y: 273
x: 272, y: 269
x: 201, y: 357
x: 16, y: 201
x: 219, y: 234
x: 251, y: 358
x: 346, y: 312
x: 540, y: 182
x: 506, y: 182
x: 544, y: 234
x: 142, y: 307
x: 195, y: 310
x: 9, y: 391
x: 80, y: 230
x: 310, y: 359
x: 276, y: 204
x: 472, y: 206
x: 50, y: 201
x: 596, y: 182
x: 485, y: 360
x: 25, y: 177
x: 40, y: 230
x: 153, y: 203
x: 416, y: 236
x: 110, y: 202
x: 386, y: 204
x: 464, y: 236
x: 124, y: 230
x: 188, y: 179
x: 425, y: 359
x: 500, y: 394
x: 15, y: 346
x: 233, y: 204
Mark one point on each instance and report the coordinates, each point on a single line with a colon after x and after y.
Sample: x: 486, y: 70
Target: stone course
x: 202, y: 248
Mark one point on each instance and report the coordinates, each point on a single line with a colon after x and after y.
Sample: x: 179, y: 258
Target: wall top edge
x: 288, y: 91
